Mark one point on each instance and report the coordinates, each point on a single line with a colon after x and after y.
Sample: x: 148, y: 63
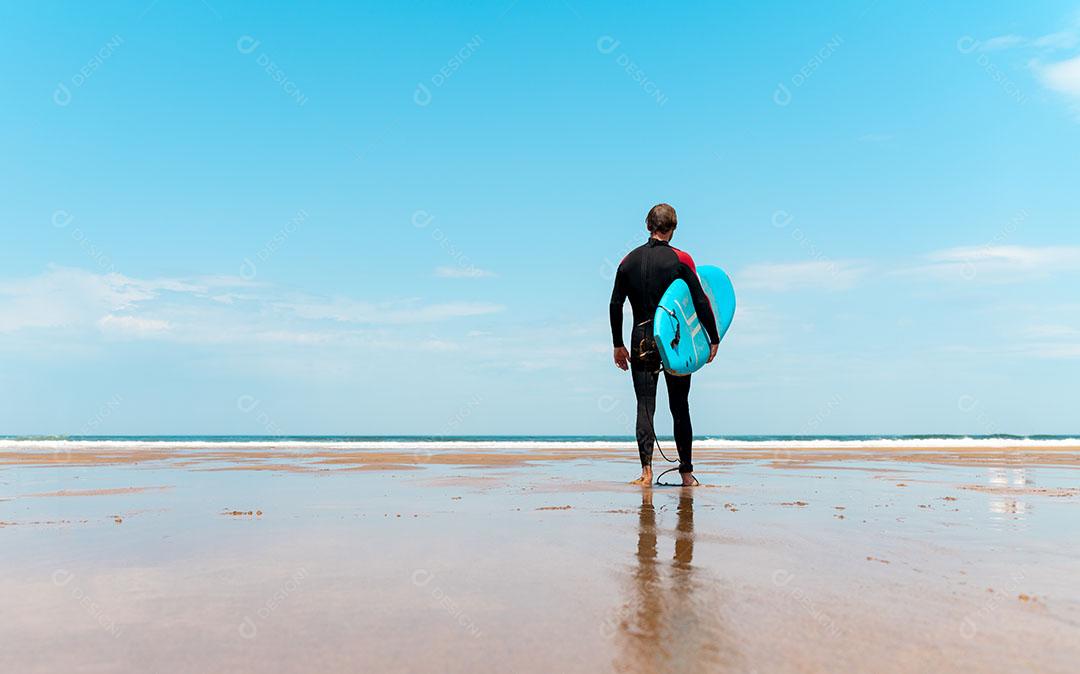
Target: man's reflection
x: 669, y: 623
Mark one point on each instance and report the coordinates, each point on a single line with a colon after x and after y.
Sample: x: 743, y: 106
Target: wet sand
x: 474, y: 559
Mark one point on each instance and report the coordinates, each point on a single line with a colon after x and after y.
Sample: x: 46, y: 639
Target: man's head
x: 661, y: 221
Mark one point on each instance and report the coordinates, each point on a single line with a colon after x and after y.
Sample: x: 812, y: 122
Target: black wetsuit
x: 643, y: 276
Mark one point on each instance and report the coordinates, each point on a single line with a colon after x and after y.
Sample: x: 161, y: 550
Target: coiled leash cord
x: 656, y: 442
x: 658, y: 482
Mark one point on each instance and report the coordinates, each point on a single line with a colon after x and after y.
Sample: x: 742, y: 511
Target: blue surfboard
x: 680, y: 338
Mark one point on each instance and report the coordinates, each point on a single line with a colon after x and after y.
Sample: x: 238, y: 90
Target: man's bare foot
x: 688, y: 480
x: 646, y: 476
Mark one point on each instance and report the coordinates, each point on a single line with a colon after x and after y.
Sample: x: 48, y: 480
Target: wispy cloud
x: 757, y: 326
x: 225, y: 281
x: 347, y: 310
x: 1066, y: 38
x: 1002, y: 42
x: 1063, y: 39
x: 1054, y: 351
x: 987, y: 263
x: 1018, y: 256
x: 1000, y: 263
x: 79, y: 303
x: 1050, y: 331
x: 1062, y: 77
x: 811, y: 275
x: 65, y: 297
x: 463, y: 272
x: 132, y: 326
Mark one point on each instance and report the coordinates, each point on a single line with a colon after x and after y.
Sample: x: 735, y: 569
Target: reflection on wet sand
x: 1007, y: 505
x: 671, y: 619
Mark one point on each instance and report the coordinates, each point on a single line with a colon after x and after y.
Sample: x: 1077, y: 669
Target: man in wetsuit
x: 643, y: 276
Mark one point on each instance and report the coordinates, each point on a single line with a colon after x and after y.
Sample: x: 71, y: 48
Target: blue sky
x: 347, y: 218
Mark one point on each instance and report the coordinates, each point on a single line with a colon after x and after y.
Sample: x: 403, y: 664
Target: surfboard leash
x: 656, y: 442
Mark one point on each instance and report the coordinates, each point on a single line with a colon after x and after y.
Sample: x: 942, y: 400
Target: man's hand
x: 622, y: 358
x: 712, y: 352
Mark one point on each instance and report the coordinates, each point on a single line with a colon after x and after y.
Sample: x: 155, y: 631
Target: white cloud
x: 756, y: 326
x: 132, y: 326
x: 1053, y: 351
x: 1050, y: 331
x: 1001, y: 263
x: 811, y: 275
x: 347, y: 310
x: 463, y: 272
x: 75, y: 300
x: 1002, y: 42
x: 65, y: 297
x: 1059, y: 76
x: 227, y: 281
x: 439, y: 345
x: 1013, y: 255
x: 291, y: 337
x: 1064, y: 39
x: 79, y: 304
x: 1062, y: 77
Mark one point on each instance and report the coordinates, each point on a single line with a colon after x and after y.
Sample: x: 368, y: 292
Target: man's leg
x: 679, y: 400
x: 645, y: 390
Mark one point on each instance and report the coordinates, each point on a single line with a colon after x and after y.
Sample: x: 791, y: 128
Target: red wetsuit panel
x: 685, y: 258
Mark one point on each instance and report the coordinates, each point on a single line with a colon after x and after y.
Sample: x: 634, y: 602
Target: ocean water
x: 511, y: 442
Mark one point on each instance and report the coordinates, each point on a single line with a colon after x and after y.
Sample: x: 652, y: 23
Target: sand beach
x: 533, y: 557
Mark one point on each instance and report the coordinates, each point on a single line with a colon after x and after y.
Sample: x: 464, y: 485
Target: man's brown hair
x: 661, y: 219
